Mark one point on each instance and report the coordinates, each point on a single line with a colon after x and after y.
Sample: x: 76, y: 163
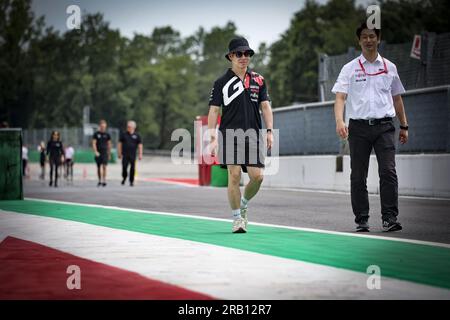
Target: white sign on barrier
x: 416, y: 47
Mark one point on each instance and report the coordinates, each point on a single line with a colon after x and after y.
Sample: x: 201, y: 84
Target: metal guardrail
x: 431, y: 70
x: 331, y: 102
x: 309, y: 128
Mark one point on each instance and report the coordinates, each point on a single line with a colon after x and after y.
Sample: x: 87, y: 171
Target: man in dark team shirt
x: 129, y: 142
x: 54, y: 151
x: 101, y: 143
x: 241, y: 94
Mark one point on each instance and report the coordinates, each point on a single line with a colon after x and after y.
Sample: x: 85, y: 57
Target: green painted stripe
x: 406, y: 261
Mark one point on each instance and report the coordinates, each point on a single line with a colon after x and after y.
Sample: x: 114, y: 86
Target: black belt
x: 372, y: 122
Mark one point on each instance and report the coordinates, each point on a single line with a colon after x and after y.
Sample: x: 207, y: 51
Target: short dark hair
x: 364, y: 26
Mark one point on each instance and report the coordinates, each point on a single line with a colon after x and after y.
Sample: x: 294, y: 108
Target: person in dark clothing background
x: 101, y: 144
x: 129, y: 142
x: 42, y: 156
x: 54, y: 152
x: 24, y: 160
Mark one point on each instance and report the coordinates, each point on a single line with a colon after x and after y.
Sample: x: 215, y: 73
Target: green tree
x: 402, y: 19
x: 315, y: 29
x: 16, y: 30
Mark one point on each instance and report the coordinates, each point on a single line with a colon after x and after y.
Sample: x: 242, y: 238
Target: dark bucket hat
x: 239, y: 44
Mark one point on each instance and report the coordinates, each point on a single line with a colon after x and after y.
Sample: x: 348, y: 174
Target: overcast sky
x: 258, y: 20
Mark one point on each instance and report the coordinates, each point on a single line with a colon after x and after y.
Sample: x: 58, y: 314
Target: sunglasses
x: 239, y: 54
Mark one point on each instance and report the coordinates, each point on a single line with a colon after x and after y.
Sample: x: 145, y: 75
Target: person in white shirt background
x: 42, y: 157
x: 370, y: 89
x: 68, y: 155
x: 24, y: 159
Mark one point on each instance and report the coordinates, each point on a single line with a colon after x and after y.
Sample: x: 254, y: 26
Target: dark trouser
x: 128, y: 160
x: 69, y: 168
x: 54, y: 164
x: 24, y: 167
x: 102, y: 159
x: 362, y: 138
x: 42, y: 169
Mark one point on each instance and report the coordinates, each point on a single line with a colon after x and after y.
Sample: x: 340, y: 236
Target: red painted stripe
x: 32, y: 271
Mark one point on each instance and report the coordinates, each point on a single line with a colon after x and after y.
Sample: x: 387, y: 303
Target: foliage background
x: 162, y: 80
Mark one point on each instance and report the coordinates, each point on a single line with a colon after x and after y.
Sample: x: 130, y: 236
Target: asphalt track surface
x: 422, y: 218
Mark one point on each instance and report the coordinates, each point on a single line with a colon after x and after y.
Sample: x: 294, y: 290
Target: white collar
x: 364, y: 60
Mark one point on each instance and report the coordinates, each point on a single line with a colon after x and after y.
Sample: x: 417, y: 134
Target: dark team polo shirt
x: 102, y: 139
x: 239, y: 100
x: 130, y: 143
x: 54, y: 149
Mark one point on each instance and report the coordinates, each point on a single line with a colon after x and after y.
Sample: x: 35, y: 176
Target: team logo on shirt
x: 238, y: 88
x: 360, y: 76
x: 259, y: 79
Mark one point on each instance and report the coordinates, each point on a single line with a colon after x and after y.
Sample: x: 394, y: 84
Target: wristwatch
x: 269, y: 130
x: 404, y: 127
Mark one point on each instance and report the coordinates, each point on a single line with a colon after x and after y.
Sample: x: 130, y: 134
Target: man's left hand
x: 403, y: 136
x: 269, y: 140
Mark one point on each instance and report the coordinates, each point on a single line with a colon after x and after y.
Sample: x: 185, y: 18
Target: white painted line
x: 429, y: 243
x: 348, y: 193
x: 214, y: 270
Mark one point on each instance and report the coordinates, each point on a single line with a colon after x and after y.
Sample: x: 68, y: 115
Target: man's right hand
x: 341, y: 129
x: 97, y: 154
x: 213, y: 146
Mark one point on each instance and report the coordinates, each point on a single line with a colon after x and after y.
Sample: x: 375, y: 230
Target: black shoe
x: 391, y: 226
x: 363, y: 227
x: 104, y: 184
x: 50, y: 184
x: 56, y: 185
x: 123, y: 181
x: 131, y: 184
x: 99, y: 184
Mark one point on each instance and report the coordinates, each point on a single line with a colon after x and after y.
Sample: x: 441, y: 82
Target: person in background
x: 54, y: 152
x: 68, y: 155
x: 41, y: 149
x: 129, y: 142
x: 24, y: 159
x: 101, y: 144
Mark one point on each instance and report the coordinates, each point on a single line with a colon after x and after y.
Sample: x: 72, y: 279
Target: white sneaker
x: 244, y: 215
x: 239, y: 226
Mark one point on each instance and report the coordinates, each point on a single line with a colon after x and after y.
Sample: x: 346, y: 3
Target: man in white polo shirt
x: 370, y: 88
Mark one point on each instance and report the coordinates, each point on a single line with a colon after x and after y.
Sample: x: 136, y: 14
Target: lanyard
x: 374, y: 74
